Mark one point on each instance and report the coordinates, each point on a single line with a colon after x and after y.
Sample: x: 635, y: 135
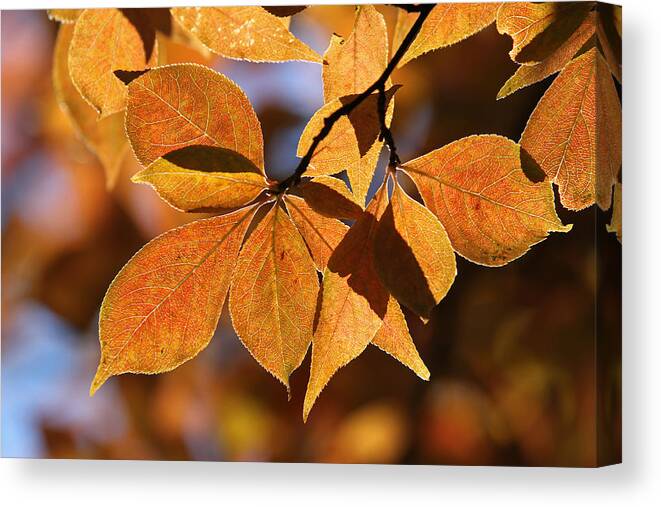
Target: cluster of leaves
x: 295, y: 272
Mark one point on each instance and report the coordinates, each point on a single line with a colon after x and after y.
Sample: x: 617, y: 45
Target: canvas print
x: 314, y: 233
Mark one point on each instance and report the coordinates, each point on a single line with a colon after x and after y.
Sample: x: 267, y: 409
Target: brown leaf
x: 65, y: 16
x: 321, y: 234
x: 530, y: 74
x: 163, y: 307
x: 179, y: 105
x: 616, y: 219
x: 330, y: 197
x: 446, y: 24
x: 105, y: 138
x: 492, y: 212
x: 105, y: 40
x: 611, y: 48
x: 204, y: 177
x: 274, y: 295
x: 244, y: 33
x: 574, y: 133
x: 412, y: 254
x: 353, y: 303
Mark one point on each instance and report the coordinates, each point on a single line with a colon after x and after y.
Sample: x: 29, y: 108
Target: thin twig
x: 346, y: 109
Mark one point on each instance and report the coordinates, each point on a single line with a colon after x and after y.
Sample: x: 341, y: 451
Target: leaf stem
x: 378, y: 85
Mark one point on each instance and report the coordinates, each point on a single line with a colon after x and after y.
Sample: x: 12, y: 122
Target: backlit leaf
x: 244, y: 33
x: 530, y: 74
x: 66, y: 16
x: 104, y: 40
x: 163, y: 307
x: 203, y: 177
x: 616, y: 218
x: 179, y: 105
x: 321, y: 234
x: 446, y: 24
x: 330, y: 197
x: 105, y: 137
x: 491, y: 210
x: 274, y: 295
x: 353, y: 303
x: 574, y: 133
x: 412, y: 254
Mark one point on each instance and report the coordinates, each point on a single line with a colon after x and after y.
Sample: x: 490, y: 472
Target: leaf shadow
x: 203, y: 158
x: 531, y: 167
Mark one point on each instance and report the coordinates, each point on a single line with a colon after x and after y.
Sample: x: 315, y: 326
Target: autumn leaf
x: 105, y: 138
x: 353, y: 303
x: 527, y: 75
x: 413, y: 255
x: 104, y: 40
x: 274, y: 295
x: 539, y: 29
x: 611, y: 47
x: 199, y: 178
x: 65, y: 16
x: 321, y: 234
x: 574, y: 133
x: 244, y: 33
x: 446, y: 24
x: 330, y: 197
x: 491, y: 210
x: 616, y: 219
x: 163, y: 307
x: 180, y: 105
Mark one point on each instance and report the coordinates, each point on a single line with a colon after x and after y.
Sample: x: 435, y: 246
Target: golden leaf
x: 616, y: 219
x: 179, y: 105
x: 446, y: 24
x: 163, y: 307
x: 527, y: 75
x: 105, y: 40
x: 105, y: 138
x: 65, y: 16
x: 353, y: 303
x: 274, y: 295
x: 413, y: 254
x: 491, y: 210
x: 574, y: 133
x: 244, y: 33
x: 321, y: 234
x: 330, y: 197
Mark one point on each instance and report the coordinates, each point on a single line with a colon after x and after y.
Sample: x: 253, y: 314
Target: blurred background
x: 524, y: 367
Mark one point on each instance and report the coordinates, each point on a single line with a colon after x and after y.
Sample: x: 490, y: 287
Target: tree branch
x: 378, y: 85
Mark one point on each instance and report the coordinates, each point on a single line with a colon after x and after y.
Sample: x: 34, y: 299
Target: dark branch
x: 378, y: 85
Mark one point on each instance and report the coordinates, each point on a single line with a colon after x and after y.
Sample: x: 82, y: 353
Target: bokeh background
x: 524, y: 359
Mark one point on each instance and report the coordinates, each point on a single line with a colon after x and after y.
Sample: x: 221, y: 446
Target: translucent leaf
x: 330, y: 197
x: 66, y: 16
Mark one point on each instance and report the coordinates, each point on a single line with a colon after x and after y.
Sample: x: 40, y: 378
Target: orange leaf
x: 574, y: 133
x: 353, y: 303
x: 491, y: 210
x: 321, y: 234
x: 244, y: 33
x: 330, y: 197
x: 446, y: 24
x: 198, y: 178
x: 179, y: 105
x: 616, y: 218
x: 163, y: 307
x: 66, y: 16
x: 413, y: 255
x: 274, y: 295
x: 105, y: 138
x: 530, y: 74
x: 105, y: 40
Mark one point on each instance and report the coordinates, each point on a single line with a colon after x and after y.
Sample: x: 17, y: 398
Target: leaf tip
x: 99, y: 379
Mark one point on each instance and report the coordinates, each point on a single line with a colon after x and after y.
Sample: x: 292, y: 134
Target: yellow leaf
x: 199, y: 178
x: 353, y: 303
x: 179, y: 105
x: 395, y: 339
x: 538, y: 29
x: 104, y: 40
x: 244, y: 33
x: 330, y: 197
x: 321, y: 234
x: 66, y: 16
x: 413, y: 255
x: 491, y: 210
x: 446, y: 24
x: 616, y: 219
x: 530, y: 74
x: 274, y: 295
x: 163, y: 307
x: 574, y: 133
x: 105, y: 138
